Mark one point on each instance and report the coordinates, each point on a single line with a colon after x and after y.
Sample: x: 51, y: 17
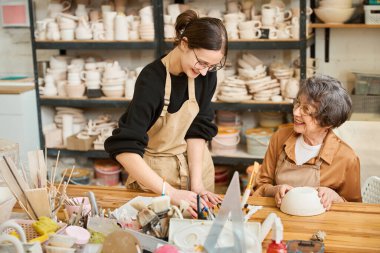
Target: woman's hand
x: 176, y: 196
x: 207, y: 195
x: 328, y: 196
x: 280, y: 191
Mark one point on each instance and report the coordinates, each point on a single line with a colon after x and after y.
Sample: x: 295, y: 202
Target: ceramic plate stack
x: 250, y: 67
x: 263, y: 88
x: 79, y: 120
x: 282, y: 72
x: 147, y: 31
x: 233, y: 90
x: 146, y: 28
x: 113, y: 83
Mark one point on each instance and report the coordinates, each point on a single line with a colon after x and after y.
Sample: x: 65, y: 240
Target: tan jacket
x: 340, y: 169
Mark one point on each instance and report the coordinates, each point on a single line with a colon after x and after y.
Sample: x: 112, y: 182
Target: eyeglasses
x: 306, y: 110
x: 199, y: 65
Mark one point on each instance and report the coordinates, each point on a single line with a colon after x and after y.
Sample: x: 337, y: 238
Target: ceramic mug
x: 91, y: 75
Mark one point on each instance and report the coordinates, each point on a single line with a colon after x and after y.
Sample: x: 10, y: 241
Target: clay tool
x: 94, y: 206
x: 199, y: 211
x: 247, y: 191
x: 163, y: 187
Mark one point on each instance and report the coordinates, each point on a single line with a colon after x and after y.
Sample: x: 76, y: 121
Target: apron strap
x: 281, y: 159
x: 168, y: 86
x: 191, y: 89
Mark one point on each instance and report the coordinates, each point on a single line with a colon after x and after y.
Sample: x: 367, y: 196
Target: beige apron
x: 297, y: 175
x: 166, y: 150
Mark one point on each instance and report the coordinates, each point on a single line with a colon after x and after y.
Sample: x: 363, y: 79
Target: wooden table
x: 350, y: 227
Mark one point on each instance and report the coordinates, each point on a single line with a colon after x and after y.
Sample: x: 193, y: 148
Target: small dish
x: 52, y: 249
x: 302, y: 201
x: 62, y: 241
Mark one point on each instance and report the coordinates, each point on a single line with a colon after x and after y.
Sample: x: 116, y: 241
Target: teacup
x: 91, y: 75
x: 67, y: 34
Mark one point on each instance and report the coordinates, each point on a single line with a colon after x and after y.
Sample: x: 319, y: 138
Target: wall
x: 16, y: 52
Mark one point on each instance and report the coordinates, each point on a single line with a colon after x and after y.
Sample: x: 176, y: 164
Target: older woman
x: 309, y: 153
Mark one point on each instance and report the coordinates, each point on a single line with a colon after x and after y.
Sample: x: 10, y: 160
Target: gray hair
x: 331, y: 100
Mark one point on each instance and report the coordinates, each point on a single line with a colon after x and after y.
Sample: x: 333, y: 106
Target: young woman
x: 161, y: 139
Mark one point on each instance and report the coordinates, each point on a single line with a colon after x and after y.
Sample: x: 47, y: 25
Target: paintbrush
x: 247, y: 191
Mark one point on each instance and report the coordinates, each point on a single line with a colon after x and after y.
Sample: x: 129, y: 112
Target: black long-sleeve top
x: 148, y: 102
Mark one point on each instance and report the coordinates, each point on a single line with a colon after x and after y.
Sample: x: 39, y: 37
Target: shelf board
x: 88, y: 154
x: 123, y: 103
x: 256, y: 106
x: 85, y: 102
x: 255, y: 44
x: 317, y: 25
x: 92, y: 44
x: 244, y: 159
x: 239, y: 157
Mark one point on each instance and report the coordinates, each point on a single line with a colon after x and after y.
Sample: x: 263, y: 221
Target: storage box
x: 74, y: 143
x: 367, y: 84
x: 364, y: 103
x: 372, y: 14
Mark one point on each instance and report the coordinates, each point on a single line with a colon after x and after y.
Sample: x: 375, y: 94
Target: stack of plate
x: 146, y: 31
x: 113, y: 83
x: 250, y: 67
x: 79, y: 120
x: 263, y: 88
x: 233, y: 90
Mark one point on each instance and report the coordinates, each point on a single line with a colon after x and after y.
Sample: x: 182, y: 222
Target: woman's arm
x: 195, y: 149
x: 137, y: 168
x: 195, y: 153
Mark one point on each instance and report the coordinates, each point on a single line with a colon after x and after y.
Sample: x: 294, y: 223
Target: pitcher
x: 55, y: 8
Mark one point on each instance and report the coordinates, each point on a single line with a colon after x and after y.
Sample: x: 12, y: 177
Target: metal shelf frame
x: 98, y: 45
x: 123, y: 103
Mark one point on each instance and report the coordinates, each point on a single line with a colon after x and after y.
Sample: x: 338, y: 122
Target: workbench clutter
x: 149, y: 223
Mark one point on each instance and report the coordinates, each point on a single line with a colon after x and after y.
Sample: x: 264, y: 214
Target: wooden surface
x: 343, y: 26
x: 350, y: 227
x: 14, y: 89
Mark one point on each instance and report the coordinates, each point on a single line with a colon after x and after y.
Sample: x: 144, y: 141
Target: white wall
x: 350, y: 50
x: 15, y: 52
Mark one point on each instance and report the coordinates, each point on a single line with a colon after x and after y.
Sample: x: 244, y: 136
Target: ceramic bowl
x: 302, y: 201
x: 52, y: 249
x: 64, y: 241
x: 334, y: 15
x: 75, y: 91
x: 113, y: 93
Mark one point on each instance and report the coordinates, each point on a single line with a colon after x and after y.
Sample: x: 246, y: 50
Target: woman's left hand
x: 210, y: 197
x: 328, y: 196
x: 207, y: 195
